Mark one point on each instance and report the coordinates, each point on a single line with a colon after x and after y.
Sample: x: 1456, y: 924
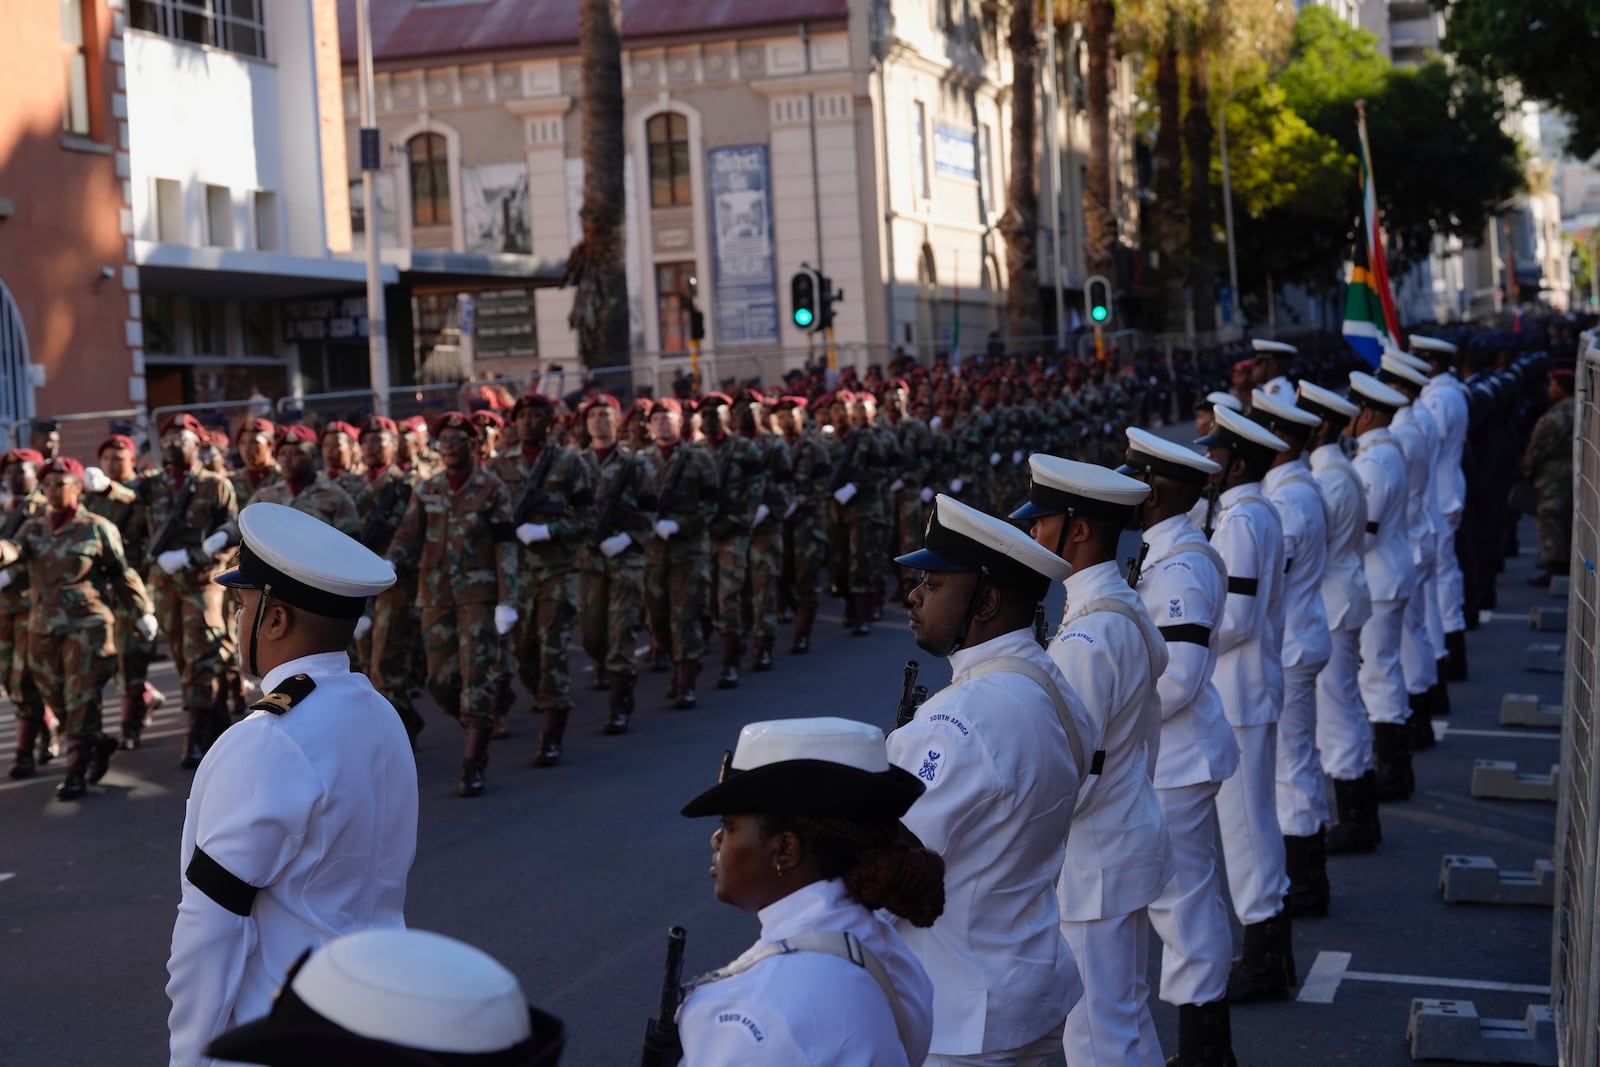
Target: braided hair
x: 878, y: 865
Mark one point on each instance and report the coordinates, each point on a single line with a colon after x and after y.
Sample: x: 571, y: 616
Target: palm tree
x: 1020, y: 223
x: 1099, y: 224
x: 596, y: 264
x: 1202, y: 239
x: 1168, y: 205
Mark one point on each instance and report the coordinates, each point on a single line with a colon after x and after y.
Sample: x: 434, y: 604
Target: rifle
x: 379, y: 528
x: 908, y: 695
x: 1136, y: 565
x: 669, y: 488
x: 1211, y: 510
x: 176, y: 519
x: 533, y: 500
x: 605, y: 520
x: 661, y: 1045
x: 1041, y: 627
x: 846, y: 467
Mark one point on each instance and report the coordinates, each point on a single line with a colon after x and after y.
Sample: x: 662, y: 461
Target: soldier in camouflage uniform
x: 415, y: 453
x: 493, y: 429
x: 741, y: 480
x: 676, y: 561
x: 1547, y: 461
x: 552, y: 493
x: 805, y: 529
x: 760, y: 617
x: 21, y: 471
x: 255, y: 439
x: 182, y: 511
x: 456, y: 533
x: 302, y: 487
x: 611, y: 565
x: 855, y: 513
x: 635, y: 432
x: 71, y: 555
x: 341, y: 457
x: 393, y: 620
x: 883, y: 515
x: 973, y: 479
x: 911, y: 486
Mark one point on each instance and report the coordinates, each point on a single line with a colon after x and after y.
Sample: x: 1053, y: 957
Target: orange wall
x: 66, y: 221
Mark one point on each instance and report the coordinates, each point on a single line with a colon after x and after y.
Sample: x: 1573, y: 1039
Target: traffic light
x: 806, y: 295
x: 1097, y: 299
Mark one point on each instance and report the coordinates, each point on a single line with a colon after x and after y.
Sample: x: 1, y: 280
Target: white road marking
x: 1527, y: 735
x: 6, y: 876
x: 1332, y: 968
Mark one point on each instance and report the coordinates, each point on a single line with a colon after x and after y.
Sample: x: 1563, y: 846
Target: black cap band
x: 1060, y: 502
x: 1321, y: 411
x: 971, y: 556
x: 256, y: 573
x: 1144, y: 463
x: 1226, y: 438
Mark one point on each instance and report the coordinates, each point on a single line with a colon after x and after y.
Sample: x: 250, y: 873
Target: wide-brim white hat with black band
x: 1149, y: 454
x: 1282, y: 417
x: 397, y: 998
x: 962, y: 539
x: 1437, y: 345
x: 1219, y: 400
x: 1416, y: 363
x: 1324, y: 403
x: 1081, y: 490
x: 1371, y: 393
x: 1396, y: 370
x: 824, y: 767
x: 1272, y: 349
x: 1236, y: 431
x: 306, y: 563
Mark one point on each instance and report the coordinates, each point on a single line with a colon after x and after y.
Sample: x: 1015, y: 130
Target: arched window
x: 430, y: 180
x: 668, y: 135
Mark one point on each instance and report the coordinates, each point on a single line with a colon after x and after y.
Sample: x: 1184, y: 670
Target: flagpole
x: 1377, y: 262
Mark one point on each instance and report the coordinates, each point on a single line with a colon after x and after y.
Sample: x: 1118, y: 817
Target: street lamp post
x: 1227, y: 206
x: 371, y: 163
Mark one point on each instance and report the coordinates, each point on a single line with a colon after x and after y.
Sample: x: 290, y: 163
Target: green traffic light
x: 1098, y: 313
x: 803, y: 317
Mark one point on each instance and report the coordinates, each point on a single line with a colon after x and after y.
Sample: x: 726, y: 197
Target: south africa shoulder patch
x: 289, y: 692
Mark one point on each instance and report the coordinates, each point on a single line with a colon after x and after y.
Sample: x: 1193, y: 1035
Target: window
x: 919, y: 148
x: 674, y: 283
x: 266, y: 212
x: 160, y: 324
x: 233, y: 25
x: 219, y: 216
x: 74, y: 70
x: 668, y: 136
x: 255, y: 324
x: 169, y: 212
x: 209, y: 323
x: 430, y: 180
x: 985, y: 163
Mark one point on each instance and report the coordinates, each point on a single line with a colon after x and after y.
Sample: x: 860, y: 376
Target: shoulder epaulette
x: 290, y: 692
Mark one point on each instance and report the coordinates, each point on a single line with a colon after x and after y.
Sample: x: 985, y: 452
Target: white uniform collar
x: 1278, y: 474
x: 1230, y: 497
x: 804, y: 910
x: 1375, y: 436
x: 1167, y: 533
x: 1326, y: 455
x: 1091, y: 583
x: 320, y: 664
x: 1016, y: 643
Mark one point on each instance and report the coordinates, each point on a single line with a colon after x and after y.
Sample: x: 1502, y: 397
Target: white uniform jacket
x: 1344, y: 583
x: 1183, y: 586
x: 300, y: 827
x: 1445, y: 398
x: 1417, y: 449
x: 1118, y: 857
x: 1249, y: 671
x: 810, y: 1009
x: 1387, y: 550
x: 1293, y: 492
x: 1001, y: 785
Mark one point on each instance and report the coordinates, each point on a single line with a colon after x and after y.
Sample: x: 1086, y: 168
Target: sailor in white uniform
x: 302, y: 820
x: 1390, y: 578
x: 1271, y: 360
x: 1344, y: 735
x: 1203, y: 418
x: 1302, y: 790
x: 1249, y: 678
x: 809, y: 839
x: 1183, y: 584
x: 1002, y: 750
x: 1118, y: 857
x: 1445, y: 397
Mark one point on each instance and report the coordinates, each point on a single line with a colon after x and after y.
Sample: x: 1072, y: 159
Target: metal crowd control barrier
x: 318, y: 409
x: 223, y: 415
x: 1575, y: 962
x: 81, y: 432
x: 425, y: 400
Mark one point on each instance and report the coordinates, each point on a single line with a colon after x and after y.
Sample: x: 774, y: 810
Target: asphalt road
x: 572, y: 875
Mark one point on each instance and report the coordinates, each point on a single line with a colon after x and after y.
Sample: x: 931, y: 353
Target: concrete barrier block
x: 1545, y: 659
x: 1548, y: 620
x: 1452, y: 1030
x: 1479, y: 880
x: 1494, y: 779
x: 1559, y: 586
x: 1524, y: 709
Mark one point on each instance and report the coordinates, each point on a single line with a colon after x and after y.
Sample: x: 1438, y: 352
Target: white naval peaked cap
x: 1280, y: 415
x: 1370, y: 392
x: 1234, y: 430
x: 1420, y: 343
x: 1393, y: 370
x: 306, y: 563
x: 1150, y: 454
x: 1325, y: 402
x: 832, y: 740
x: 1220, y: 399
x: 1416, y: 363
x: 1082, y: 490
x: 1272, y: 348
x: 959, y: 538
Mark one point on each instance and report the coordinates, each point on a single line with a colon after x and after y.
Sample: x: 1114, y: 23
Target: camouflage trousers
x: 72, y: 667
x: 610, y: 605
x: 1554, y: 517
x: 674, y: 601
x: 760, y: 615
x: 134, y: 653
x: 730, y: 560
x: 539, y: 643
x: 198, y: 636
x: 806, y: 544
x: 462, y: 648
x: 14, y: 667
x: 855, y: 554
x: 387, y: 651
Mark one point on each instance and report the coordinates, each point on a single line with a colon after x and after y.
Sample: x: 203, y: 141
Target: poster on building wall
x: 495, y: 199
x: 745, y: 273
x: 955, y: 152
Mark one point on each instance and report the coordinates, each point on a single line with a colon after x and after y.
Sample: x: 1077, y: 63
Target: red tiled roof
x: 415, y: 28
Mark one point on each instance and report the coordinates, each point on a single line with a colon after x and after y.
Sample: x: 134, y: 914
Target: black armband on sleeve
x: 220, y: 884
x: 1244, y: 586
x: 1288, y: 564
x: 501, y: 532
x: 1372, y: 528
x: 1187, y: 633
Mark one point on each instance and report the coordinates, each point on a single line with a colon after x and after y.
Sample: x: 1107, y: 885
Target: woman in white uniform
x: 810, y: 841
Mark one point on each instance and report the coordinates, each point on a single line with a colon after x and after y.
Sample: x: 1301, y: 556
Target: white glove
x: 173, y: 560
x: 994, y: 459
x: 505, y: 617
x: 1107, y: 429
x: 363, y: 628
x: 215, y: 543
x: 5, y: 577
x: 146, y: 627
x: 531, y: 532
x: 95, y: 480
x: 935, y: 422
x: 665, y: 528
x: 614, y: 544
x: 1016, y: 457
x: 762, y: 511
x: 927, y: 496
x: 956, y: 484
x: 897, y: 485
x: 845, y: 493
x: 794, y: 506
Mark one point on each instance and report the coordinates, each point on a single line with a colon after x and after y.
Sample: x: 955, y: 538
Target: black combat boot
x: 132, y: 721
x: 22, y: 764
x: 194, y: 741
x: 804, y: 619
x: 599, y: 677
x: 1455, y: 644
x: 1439, y: 696
x: 1355, y: 830
x: 474, y: 760
x: 1205, y: 1036
x: 1419, y: 728
x: 761, y: 658
x: 551, y: 730
x: 1307, y: 863
x: 732, y: 653
x: 101, y: 747
x: 620, y: 709
x: 72, y: 785
x: 1265, y: 970
x: 863, y: 615
x: 688, y: 672
x: 1391, y: 745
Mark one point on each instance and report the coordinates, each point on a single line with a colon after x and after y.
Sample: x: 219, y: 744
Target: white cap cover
x: 1272, y: 348
x: 1086, y: 490
x: 1420, y: 343
x: 1394, y: 369
x: 1367, y: 390
x: 1325, y: 402
x: 1224, y: 400
x: 1156, y: 455
x: 962, y: 538
x: 843, y: 741
x: 307, y: 563
x: 1234, y: 429
x: 1276, y: 414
